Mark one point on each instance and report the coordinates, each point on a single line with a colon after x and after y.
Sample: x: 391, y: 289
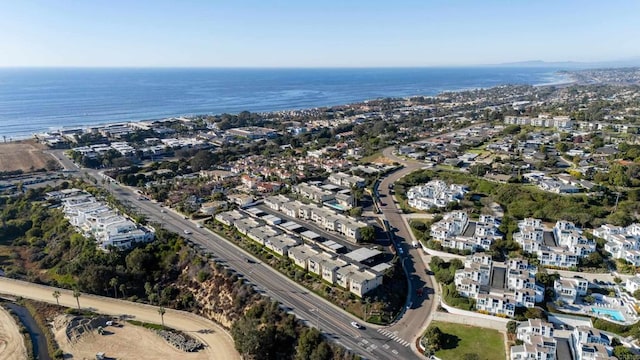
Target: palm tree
x: 77, y: 294
x: 56, y: 294
x: 123, y: 287
x: 161, y: 311
x: 114, y: 282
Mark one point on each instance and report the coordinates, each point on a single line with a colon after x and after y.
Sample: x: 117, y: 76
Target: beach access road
x: 219, y: 344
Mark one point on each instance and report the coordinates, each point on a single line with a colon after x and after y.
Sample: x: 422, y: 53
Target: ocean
x: 39, y: 99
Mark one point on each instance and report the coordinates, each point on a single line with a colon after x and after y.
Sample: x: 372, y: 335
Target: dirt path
x: 219, y: 342
x: 11, y: 341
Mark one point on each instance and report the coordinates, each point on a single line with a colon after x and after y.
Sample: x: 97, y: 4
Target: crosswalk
x: 394, y: 336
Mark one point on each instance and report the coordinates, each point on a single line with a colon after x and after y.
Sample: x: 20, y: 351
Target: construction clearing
x: 84, y: 338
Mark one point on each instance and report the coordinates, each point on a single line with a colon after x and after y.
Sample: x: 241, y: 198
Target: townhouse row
x: 329, y: 194
x: 342, y: 270
x: 323, y: 217
x: 97, y: 220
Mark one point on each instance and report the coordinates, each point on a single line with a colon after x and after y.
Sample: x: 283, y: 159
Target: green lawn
x: 464, y: 339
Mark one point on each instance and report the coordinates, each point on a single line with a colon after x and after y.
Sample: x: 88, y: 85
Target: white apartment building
x: 346, y: 180
x: 621, y: 242
x: 587, y: 343
x: 632, y: 284
x: 450, y: 232
x: 97, y: 220
x: 570, y: 244
x: 435, y: 193
x: 521, y: 290
x: 538, y: 341
x: 521, y: 279
x: 452, y: 224
x: 568, y: 289
x: 323, y: 217
x: 313, y: 192
x: 558, y: 122
x: 495, y: 304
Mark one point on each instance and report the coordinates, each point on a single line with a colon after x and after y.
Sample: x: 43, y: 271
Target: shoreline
x: 563, y: 80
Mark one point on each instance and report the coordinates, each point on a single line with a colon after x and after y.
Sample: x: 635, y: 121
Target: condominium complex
x: 587, y: 343
x: 457, y: 232
x: 329, y: 195
x: 99, y: 221
x: 621, y: 242
x: 562, y: 247
x: 558, y: 122
x: 537, y: 339
x: 498, y: 294
x: 346, y: 270
x: 323, y: 217
x: 435, y: 193
x: 346, y: 180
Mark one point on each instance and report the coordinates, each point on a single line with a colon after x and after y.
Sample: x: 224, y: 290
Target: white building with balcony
x: 621, y: 242
x: 435, y: 193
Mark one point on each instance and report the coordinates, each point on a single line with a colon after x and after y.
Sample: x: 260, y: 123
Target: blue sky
x: 322, y: 33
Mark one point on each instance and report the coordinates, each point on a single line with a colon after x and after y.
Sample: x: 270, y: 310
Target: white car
x: 356, y: 325
x: 187, y: 232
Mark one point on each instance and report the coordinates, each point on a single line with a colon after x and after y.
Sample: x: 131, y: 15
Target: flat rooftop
x: 362, y: 254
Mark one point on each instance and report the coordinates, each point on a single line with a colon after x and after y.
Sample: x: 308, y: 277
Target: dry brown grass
x: 26, y: 155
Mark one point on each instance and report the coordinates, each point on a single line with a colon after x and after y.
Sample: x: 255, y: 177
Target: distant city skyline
x: 330, y: 33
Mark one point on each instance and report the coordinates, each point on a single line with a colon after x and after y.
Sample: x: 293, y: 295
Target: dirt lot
x: 24, y: 155
x: 117, y: 343
x: 11, y: 341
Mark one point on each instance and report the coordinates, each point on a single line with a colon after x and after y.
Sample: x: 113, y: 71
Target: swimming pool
x: 613, y: 314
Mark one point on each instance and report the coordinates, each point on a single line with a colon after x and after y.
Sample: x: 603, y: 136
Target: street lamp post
x: 317, y: 312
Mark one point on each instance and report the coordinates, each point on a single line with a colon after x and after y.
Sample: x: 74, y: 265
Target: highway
x: 371, y: 342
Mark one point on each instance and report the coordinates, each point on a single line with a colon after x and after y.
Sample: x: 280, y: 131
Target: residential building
x: 568, y: 289
x: 621, y: 242
x: 538, y: 342
x: 97, y: 220
x: 457, y: 232
x: 435, y: 193
x: 504, y: 305
x: 313, y: 192
x: 587, y: 343
x: 563, y: 247
x: 346, y: 180
x: 324, y: 217
x: 633, y: 284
